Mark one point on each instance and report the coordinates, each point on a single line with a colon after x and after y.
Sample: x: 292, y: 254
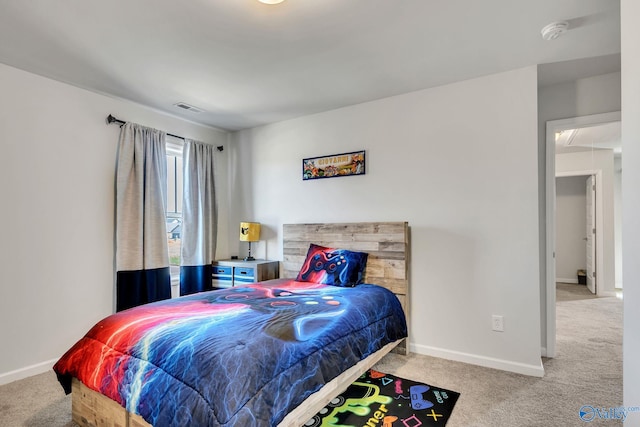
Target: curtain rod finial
x: 112, y: 119
x: 220, y: 147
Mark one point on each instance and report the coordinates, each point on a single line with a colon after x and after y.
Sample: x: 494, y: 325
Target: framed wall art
x: 345, y: 164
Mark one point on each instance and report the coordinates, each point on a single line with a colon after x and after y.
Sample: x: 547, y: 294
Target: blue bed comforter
x: 245, y: 356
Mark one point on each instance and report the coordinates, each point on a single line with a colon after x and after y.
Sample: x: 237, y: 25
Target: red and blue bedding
x: 244, y: 356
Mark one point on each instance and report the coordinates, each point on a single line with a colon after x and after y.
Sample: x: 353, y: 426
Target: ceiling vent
x: 186, y: 106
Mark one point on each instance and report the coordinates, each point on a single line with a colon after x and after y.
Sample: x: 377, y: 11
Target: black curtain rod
x: 112, y: 119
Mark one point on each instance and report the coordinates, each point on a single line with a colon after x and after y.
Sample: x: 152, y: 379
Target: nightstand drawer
x: 244, y: 274
x: 236, y: 272
x: 222, y: 272
x: 222, y: 277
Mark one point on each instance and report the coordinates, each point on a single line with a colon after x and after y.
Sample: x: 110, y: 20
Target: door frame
x: 591, y: 198
x: 553, y: 126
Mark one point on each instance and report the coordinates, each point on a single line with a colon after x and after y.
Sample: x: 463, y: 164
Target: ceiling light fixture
x: 553, y: 30
x: 270, y: 1
x: 566, y: 137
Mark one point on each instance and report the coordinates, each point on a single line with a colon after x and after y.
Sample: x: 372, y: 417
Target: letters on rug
x: 379, y: 399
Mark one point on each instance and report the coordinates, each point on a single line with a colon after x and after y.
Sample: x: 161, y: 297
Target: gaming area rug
x: 382, y: 400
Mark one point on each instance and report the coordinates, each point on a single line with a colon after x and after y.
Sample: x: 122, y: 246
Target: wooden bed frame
x: 388, y: 246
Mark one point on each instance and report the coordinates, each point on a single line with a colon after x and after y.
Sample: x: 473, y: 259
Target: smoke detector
x: 554, y: 30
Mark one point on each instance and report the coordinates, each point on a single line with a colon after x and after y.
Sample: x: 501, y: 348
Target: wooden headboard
x: 387, y: 244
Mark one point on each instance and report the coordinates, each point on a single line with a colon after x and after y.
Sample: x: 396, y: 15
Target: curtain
x: 142, y: 258
x: 199, y: 218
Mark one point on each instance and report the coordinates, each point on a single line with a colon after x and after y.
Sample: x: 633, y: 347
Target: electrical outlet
x: 497, y: 323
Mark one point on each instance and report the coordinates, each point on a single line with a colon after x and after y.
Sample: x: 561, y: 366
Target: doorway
x: 603, y: 246
x: 576, y: 197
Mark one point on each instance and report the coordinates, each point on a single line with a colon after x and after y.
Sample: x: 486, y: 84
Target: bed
x: 138, y: 383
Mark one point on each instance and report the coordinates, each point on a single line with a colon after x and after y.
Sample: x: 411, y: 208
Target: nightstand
x: 235, y: 272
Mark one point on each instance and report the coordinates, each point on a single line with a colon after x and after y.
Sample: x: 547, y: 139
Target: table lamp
x: 249, y: 232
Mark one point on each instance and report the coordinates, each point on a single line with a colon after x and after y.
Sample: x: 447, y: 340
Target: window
x: 174, y: 204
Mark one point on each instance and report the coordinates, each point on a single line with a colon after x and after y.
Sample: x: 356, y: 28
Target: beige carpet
x: 586, y: 371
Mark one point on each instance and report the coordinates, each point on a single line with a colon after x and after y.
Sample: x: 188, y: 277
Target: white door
x: 591, y: 233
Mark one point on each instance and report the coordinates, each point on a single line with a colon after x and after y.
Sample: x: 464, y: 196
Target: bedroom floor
x: 586, y: 371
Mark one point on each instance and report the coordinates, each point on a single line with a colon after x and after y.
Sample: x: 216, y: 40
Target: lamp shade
x: 249, y: 231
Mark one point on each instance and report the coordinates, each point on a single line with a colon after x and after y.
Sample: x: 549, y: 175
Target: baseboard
x: 560, y: 280
x: 543, y: 351
x: 474, y: 359
x: 26, y: 372
x: 607, y: 294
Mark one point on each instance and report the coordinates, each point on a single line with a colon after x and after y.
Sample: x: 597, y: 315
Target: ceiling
x: 246, y: 63
x: 607, y: 136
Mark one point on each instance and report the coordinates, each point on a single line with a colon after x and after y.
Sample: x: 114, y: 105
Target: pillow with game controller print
x: 330, y: 266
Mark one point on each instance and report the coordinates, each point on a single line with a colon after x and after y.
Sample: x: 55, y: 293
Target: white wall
x: 582, y: 97
x: 599, y: 160
x: 459, y: 163
x: 630, y: 10
x: 571, y: 225
x: 57, y: 192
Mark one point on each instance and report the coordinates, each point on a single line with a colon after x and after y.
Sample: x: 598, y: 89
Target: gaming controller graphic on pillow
x: 298, y: 316
x: 324, y: 267
x: 417, y: 397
